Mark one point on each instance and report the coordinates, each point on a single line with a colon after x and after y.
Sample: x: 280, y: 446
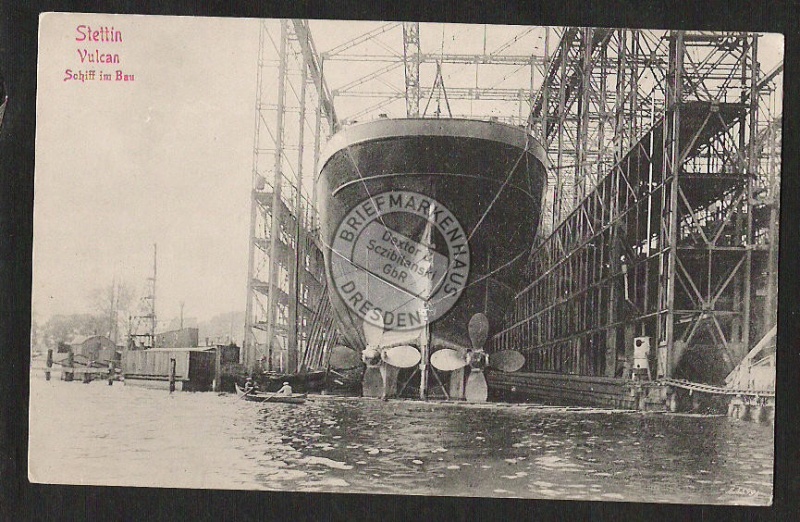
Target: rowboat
x: 270, y: 397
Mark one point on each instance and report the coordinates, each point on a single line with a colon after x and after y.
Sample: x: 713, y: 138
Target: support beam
x: 314, y: 64
x: 411, y: 60
x: 276, y: 209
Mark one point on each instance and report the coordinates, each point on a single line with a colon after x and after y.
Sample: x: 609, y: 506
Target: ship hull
x: 490, y: 177
x: 306, y: 382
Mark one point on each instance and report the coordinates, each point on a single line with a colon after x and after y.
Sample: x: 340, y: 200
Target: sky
x: 166, y: 158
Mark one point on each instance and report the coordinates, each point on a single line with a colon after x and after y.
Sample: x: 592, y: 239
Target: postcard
x: 406, y: 258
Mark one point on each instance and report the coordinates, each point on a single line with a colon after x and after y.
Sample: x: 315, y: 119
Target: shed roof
x: 81, y: 339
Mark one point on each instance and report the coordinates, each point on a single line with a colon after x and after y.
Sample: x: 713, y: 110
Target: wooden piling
x: 49, y: 364
x: 172, y: 363
x: 69, y: 373
x: 218, y: 369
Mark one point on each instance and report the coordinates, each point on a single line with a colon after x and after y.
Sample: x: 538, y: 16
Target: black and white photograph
x: 406, y: 258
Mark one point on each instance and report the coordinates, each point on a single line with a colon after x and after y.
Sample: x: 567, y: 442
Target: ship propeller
x: 506, y: 361
x: 403, y: 356
x: 476, y: 389
x: 447, y: 360
x: 386, y: 360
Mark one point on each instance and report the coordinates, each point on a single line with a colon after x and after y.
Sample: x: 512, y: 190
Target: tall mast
x: 153, y: 298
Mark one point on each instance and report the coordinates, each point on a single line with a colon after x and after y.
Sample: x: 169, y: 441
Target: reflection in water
x: 128, y: 435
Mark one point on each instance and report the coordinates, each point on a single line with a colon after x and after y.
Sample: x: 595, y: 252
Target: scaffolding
x: 661, y: 217
x: 146, y: 312
x: 484, y: 72
x: 663, y: 206
x: 286, y: 276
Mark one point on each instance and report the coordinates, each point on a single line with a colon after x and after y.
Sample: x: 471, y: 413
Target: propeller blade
x: 344, y: 358
x: 373, y: 328
x: 476, y: 389
x: 507, y: 360
x: 402, y: 356
x: 447, y: 360
x: 478, y: 330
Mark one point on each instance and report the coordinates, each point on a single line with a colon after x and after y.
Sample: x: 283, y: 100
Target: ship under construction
x: 639, y: 261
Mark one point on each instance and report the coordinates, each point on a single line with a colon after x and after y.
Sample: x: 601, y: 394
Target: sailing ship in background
x: 426, y: 225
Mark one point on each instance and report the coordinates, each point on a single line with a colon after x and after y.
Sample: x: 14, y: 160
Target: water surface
x: 136, y: 436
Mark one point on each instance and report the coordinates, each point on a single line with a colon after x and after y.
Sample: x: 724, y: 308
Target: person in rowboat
x: 285, y: 390
x: 249, y: 385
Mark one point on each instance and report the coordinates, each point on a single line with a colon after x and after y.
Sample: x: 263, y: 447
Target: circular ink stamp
x: 400, y: 260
